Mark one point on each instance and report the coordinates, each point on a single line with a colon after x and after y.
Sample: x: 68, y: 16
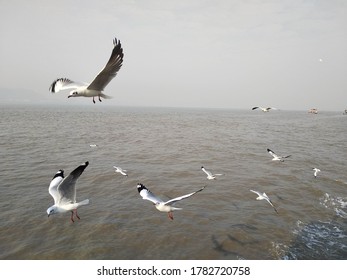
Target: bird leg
x: 99, y: 98
x: 71, y: 218
x: 76, y: 214
x: 93, y: 100
x: 170, y: 215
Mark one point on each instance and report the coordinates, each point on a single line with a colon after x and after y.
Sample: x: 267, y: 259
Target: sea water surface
x: 164, y: 149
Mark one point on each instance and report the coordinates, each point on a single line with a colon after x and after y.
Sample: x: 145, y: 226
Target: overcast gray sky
x: 288, y: 54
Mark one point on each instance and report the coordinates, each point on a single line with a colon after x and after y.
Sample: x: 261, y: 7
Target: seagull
x: 63, y: 191
x: 93, y: 145
x: 120, y: 170
x: 276, y: 157
x: 99, y: 83
x: 316, y: 170
x: 264, y: 196
x: 162, y: 206
x: 267, y: 109
x: 210, y: 176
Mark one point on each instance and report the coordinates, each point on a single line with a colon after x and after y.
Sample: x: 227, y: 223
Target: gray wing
x: 174, y: 200
x: 147, y: 194
x: 273, y: 206
x: 67, y: 188
x: 111, y: 68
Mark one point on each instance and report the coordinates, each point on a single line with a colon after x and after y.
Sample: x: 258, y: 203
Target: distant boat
x: 313, y: 111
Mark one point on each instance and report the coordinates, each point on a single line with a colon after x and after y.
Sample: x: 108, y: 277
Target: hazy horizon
x: 201, y: 54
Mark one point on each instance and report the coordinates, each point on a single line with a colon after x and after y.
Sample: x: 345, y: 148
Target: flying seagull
x: 316, y: 170
x: 99, y: 83
x: 162, y: 206
x: 63, y: 191
x: 267, y: 109
x: 210, y: 176
x: 276, y: 157
x: 120, y: 170
x: 262, y: 196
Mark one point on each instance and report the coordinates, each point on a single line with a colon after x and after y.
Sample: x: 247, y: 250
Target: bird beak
x: 68, y: 96
x: 48, y: 215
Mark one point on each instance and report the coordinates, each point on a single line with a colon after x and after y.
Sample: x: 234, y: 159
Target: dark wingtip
x: 52, y: 87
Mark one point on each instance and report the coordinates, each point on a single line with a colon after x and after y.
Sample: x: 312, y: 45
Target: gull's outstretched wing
x: 64, y: 83
x: 147, y: 194
x: 67, y: 187
x: 174, y: 200
x: 53, y: 186
x: 268, y: 200
x: 255, y: 108
x: 111, y: 68
x: 272, y: 153
x: 208, y: 173
x: 258, y: 193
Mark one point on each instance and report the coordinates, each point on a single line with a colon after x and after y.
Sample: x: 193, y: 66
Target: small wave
x: 338, y: 204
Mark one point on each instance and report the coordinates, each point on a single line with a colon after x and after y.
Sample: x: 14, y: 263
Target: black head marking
x: 60, y: 173
x: 141, y: 187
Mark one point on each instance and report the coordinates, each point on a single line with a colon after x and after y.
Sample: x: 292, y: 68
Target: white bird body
x: 276, y: 157
x: 96, y: 87
x: 120, y: 170
x: 161, y: 205
x: 316, y: 170
x: 263, y: 196
x: 209, y: 174
x: 63, y: 191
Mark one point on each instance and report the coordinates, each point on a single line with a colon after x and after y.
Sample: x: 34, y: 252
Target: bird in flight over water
x: 63, y: 191
x: 96, y: 87
x: 277, y: 157
x: 264, y: 109
x: 263, y: 196
x: 162, y: 206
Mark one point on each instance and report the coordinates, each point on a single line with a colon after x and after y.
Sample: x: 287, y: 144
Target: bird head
x: 73, y: 94
x: 52, y: 210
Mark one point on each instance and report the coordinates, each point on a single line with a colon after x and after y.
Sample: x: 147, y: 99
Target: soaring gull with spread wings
x: 96, y: 87
x: 162, y: 206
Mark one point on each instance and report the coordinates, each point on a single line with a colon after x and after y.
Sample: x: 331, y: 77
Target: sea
x: 164, y: 149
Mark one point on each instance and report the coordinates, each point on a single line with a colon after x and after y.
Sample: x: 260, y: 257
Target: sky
x: 289, y: 54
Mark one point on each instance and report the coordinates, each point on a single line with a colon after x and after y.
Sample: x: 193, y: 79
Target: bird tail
x: 175, y: 208
x: 105, y: 96
x: 84, y: 202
